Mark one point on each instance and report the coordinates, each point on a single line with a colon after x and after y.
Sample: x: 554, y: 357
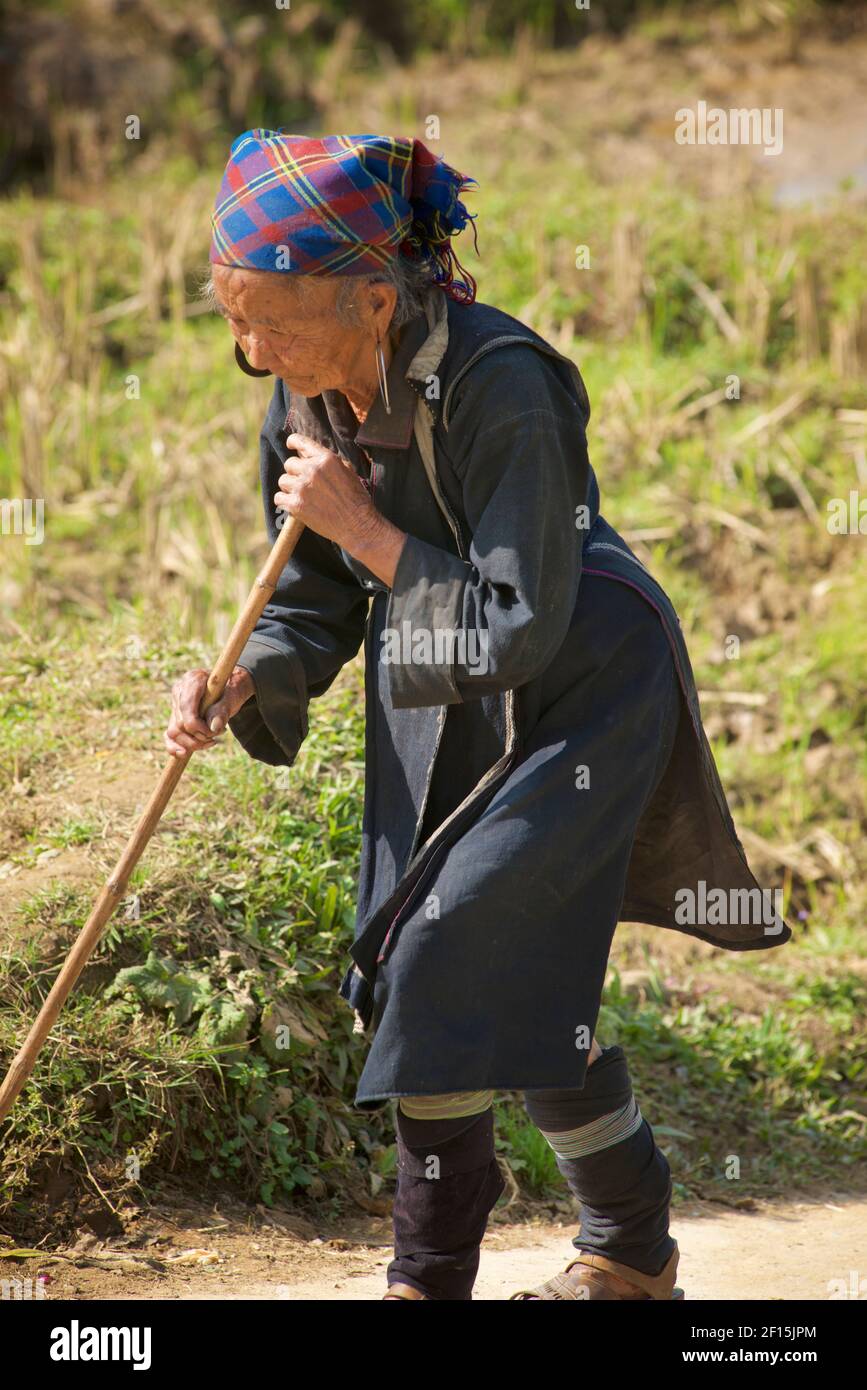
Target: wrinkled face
x: 296, y: 335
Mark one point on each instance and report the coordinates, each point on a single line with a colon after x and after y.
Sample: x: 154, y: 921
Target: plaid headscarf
x: 342, y: 205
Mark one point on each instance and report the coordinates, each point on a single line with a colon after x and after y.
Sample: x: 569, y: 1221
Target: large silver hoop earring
x: 380, y: 372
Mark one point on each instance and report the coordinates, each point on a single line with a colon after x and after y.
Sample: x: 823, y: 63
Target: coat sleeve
x: 517, y: 444
x: 313, y: 625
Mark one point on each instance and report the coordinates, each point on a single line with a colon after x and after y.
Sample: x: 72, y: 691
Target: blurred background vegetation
x: 120, y: 404
x: 72, y: 70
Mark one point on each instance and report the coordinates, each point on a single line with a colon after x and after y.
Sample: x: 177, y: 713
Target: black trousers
x: 449, y: 1181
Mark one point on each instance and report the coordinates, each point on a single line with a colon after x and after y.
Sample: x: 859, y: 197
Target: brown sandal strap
x: 658, y: 1286
x: 561, y: 1288
x: 404, y: 1292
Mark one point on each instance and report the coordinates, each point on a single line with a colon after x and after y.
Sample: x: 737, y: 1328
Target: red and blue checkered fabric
x: 340, y: 205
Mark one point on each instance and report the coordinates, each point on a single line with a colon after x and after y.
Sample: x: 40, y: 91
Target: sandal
x: 403, y: 1292
x: 593, y: 1277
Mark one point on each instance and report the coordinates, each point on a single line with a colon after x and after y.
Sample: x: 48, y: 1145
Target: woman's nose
x: 256, y: 351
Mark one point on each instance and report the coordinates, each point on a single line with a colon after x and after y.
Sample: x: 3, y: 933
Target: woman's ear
x: 381, y: 299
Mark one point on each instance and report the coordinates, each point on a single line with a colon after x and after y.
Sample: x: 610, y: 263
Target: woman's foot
x: 595, y: 1278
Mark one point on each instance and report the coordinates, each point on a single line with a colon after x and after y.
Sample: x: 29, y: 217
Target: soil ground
x: 784, y: 1251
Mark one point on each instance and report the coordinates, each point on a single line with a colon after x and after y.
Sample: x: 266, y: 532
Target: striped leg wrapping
x: 599, y: 1134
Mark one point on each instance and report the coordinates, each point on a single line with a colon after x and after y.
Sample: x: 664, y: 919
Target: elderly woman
x: 536, y: 764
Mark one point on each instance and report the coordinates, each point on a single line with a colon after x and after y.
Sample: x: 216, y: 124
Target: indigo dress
x: 536, y: 765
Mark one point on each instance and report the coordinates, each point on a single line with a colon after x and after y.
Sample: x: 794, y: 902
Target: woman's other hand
x: 324, y: 491
x: 186, y: 731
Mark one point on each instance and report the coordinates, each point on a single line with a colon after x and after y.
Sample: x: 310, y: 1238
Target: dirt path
x: 785, y: 1251
x: 790, y: 1253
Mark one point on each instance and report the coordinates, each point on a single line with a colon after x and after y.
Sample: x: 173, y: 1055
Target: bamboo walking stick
x: 113, y: 891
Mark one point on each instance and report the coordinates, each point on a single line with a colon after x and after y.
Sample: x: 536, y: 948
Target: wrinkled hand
x: 324, y: 491
x: 186, y: 732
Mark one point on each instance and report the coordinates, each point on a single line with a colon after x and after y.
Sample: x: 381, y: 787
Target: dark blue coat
x: 528, y: 789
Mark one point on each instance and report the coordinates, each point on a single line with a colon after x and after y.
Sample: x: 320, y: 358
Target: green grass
x: 716, y: 1086
x: 245, y: 907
